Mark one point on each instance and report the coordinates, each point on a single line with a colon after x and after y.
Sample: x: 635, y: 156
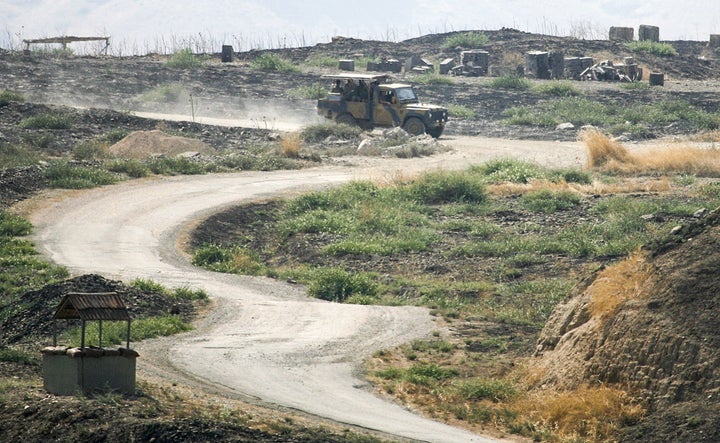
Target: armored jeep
x: 371, y: 101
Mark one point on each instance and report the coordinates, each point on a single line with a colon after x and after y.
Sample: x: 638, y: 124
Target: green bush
x: 47, y: 121
x: 467, y: 40
x: 480, y: 389
x: 460, y: 111
x: 651, y: 47
x: 550, y: 201
x: 273, y: 62
x: 62, y: 174
x: 511, y: 82
x: 448, y: 187
x: 115, y: 332
x: 559, y: 89
x: 13, y: 225
x: 509, y: 170
x: 309, y: 91
x: 148, y: 285
x: 89, y: 150
x: 7, y: 97
x: 175, y: 166
x: 319, y: 132
x: 113, y: 136
x: 13, y: 156
x: 185, y: 59
x: 335, y: 284
x: 433, y: 78
x: 131, y: 168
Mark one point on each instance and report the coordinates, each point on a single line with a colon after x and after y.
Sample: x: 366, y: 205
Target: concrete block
x: 346, y: 65
x: 649, y: 33
x: 621, y: 34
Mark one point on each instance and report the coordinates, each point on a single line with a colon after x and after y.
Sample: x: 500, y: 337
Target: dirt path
x: 265, y: 340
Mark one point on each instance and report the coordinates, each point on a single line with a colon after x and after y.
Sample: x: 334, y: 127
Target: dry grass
x: 290, y: 145
x: 618, y: 283
x: 612, y: 157
x: 602, y: 150
x: 593, y: 413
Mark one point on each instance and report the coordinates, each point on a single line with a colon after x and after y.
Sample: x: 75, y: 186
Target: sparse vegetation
x: 559, y: 89
x: 48, y: 121
x: 615, y: 117
x: 185, y: 59
x: 7, y: 97
x: 433, y: 78
x: 63, y: 174
x: 319, y: 132
x: 511, y: 82
x: 466, y: 40
x: 651, y: 47
x: 273, y: 62
x: 461, y: 111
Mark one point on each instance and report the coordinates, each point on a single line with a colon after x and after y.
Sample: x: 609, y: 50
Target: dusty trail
x: 266, y: 340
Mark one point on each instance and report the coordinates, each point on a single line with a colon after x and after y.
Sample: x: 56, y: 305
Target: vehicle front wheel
x: 436, y: 132
x: 414, y: 126
x: 346, y: 119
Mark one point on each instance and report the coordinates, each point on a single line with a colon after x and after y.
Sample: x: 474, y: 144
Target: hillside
x: 660, y: 341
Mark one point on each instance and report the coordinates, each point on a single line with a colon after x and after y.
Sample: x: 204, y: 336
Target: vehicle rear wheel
x: 414, y: 126
x: 346, y: 119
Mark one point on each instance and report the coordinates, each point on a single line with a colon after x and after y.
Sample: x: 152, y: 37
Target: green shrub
x: 184, y: 59
x: 113, y: 136
x: 167, y: 93
x: 651, y: 47
x: 467, y: 40
x: 115, y: 332
x: 550, y: 201
x: 335, y: 284
x: 319, y: 132
x: 47, y: 121
x: 148, y: 285
x: 273, y: 62
x: 481, y: 389
x: 13, y: 156
x: 17, y: 356
x: 448, y: 187
x: 175, y: 166
x: 186, y: 293
x: 7, y: 97
x: 511, y: 82
x: 559, y: 89
x: 460, y: 111
x: 131, y: 168
x: 13, y: 225
x: 508, y: 170
x: 309, y: 91
x: 62, y: 174
x: 89, y: 150
x: 433, y: 78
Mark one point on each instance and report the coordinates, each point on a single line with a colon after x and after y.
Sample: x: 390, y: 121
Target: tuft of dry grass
x: 594, y: 413
x: 618, y: 283
x: 602, y: 150
x: 611, y: 156
x: 290, y: 145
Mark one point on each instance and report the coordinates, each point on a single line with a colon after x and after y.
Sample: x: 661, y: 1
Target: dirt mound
x: 144, y: 144
x: 658, y: 338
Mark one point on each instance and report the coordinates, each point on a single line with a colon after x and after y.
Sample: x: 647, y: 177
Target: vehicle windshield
x: 406, y: 95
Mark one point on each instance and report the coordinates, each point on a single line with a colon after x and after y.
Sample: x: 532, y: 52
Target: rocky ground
x: 106, y: 88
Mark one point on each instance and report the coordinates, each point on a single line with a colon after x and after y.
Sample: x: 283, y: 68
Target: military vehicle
x: 371, y: 101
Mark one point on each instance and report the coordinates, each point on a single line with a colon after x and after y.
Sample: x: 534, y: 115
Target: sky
x: 142, y: 26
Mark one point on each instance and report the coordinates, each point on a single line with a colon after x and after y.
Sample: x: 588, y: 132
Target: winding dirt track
x: 265, y: 340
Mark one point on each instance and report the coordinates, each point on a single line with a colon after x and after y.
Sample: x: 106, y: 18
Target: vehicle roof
x: 356, y: 76
x: 395, y: 85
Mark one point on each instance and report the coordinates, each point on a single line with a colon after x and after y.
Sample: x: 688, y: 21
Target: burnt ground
x: 105, y: 87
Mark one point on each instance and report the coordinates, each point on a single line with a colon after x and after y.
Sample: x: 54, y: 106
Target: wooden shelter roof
x: 92, y: 306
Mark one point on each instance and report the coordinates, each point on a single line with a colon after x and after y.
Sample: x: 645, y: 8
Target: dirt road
x: 265, y: 340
